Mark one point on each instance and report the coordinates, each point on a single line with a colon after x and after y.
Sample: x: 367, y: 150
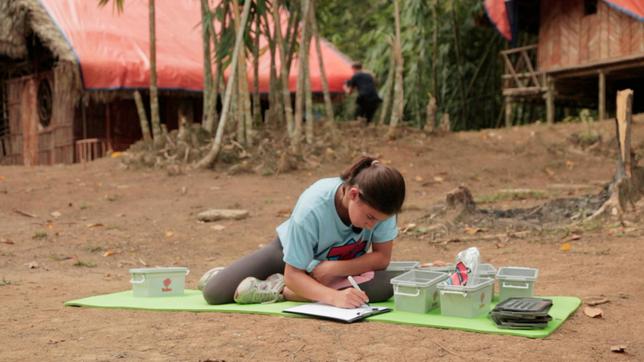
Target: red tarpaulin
x: 497, y: 12
x: 112, y: 48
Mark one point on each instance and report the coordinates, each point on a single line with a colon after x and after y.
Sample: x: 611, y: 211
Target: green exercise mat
x: 192, y: 301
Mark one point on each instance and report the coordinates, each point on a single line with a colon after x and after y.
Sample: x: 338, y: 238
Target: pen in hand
x: 355, y: 285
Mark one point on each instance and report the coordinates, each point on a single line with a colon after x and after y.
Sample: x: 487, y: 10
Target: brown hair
x: 381, y: 186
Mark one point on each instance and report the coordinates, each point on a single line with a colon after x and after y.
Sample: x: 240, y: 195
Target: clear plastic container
x: 469, y: 301
x: 516, y: 282
x: 158, y: 282
x: 415, y: 290
x: 397, y: 268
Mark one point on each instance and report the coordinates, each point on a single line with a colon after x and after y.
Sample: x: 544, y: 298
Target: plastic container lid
x: 517, y: 273
x: 177, y: 269
x: 473, y: 285
x: 449, y: 268
x: 486, y: 270
x: 419, y: 278
x: 402, y: 265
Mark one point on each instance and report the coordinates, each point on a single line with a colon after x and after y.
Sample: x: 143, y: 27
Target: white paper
x: 328, y: 311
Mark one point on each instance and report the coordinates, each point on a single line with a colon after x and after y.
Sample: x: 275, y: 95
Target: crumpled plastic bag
x: 467, y: 264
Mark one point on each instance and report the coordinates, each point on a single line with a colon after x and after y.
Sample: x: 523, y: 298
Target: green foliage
x: 39, y: 235
x: 468, y: 68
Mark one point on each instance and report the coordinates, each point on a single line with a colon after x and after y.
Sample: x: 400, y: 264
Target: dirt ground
x: 93, y: 222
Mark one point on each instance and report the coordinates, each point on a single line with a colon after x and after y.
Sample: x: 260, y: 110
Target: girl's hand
x: 350, y: 298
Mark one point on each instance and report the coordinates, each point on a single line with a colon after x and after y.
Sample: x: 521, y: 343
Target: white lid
x: 517, y: 273
x: 419, y: 278
x: 473, y: 285
x: 402, y: 265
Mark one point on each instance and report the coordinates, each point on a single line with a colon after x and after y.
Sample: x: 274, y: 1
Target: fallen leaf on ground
x: 549, y: 172
x: 169, y: 234
x: 472, y: 230
x: 6, y: 241
x: 110, y: 253
x: 418, y: 178
x: 56, y: 214
x: 142, y: 262
x: 575, y: 237
x: 94, y: 225
x: 566, y: 247
x: 1, y: 178
x: 218, y: 227
x: 593, y: 312
x: 618, y: 348
x: 438, y: 179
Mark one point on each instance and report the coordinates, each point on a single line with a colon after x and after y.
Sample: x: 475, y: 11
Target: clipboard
x: 346, y: 315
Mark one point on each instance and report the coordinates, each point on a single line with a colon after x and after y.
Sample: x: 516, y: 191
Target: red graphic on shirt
x: 348, y: 251
x: 167, y: 283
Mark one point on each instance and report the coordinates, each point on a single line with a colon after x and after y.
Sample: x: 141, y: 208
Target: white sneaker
x: 252, y: 290
x: 207, y: 276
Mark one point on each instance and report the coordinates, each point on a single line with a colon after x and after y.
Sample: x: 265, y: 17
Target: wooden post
x: 624, y: 119
x: 550, y: 100
x: 508, y: 112
x: 83, y: 116
x: 602, y: 96
x: 108, y: 126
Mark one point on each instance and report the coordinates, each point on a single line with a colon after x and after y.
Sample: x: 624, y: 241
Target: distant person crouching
x: 368, y: 100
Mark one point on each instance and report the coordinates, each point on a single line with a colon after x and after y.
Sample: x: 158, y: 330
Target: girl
x: 327, y: 238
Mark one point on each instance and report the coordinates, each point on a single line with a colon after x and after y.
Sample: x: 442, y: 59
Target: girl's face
x: 361, y: 214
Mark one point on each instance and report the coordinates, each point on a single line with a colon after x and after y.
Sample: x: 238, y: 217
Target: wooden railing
x: 521, y: 76
x: 90, y: 149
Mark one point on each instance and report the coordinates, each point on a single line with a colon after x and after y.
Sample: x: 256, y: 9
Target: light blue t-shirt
x: 315, y: 232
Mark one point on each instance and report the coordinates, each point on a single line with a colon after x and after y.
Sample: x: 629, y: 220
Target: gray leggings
x: 267, y: 261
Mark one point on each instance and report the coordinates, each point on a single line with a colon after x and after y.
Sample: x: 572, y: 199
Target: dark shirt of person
x: 364, y: 84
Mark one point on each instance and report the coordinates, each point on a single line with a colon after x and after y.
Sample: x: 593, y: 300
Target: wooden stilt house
x: 585, y: 51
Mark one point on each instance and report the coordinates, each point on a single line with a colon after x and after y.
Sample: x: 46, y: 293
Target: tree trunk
x: 243, y: 96
x: 301, y: 72
x: 306, y: 43
x: 154, y: 97
x: 143, y: 118
x: 284, y: 72
x: 389, y: 84
x: 435, y: 49
x: 207, y: 61
x: 628, y: 183
x: 328, y: 106
x: 211, y: 157
x: 430, y: 122
x: 398, y: 105
x: 257, y: 111
x: 459, y: 66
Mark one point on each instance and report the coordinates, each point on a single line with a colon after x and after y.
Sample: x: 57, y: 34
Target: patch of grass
x: 84, y: 206
x: 94, y: 249
x: 592, y: 225
x: 511, y: 195
x: 39, y: 235
x: 84, y: 264
x: 4, y: 282
x: 55, y: 257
